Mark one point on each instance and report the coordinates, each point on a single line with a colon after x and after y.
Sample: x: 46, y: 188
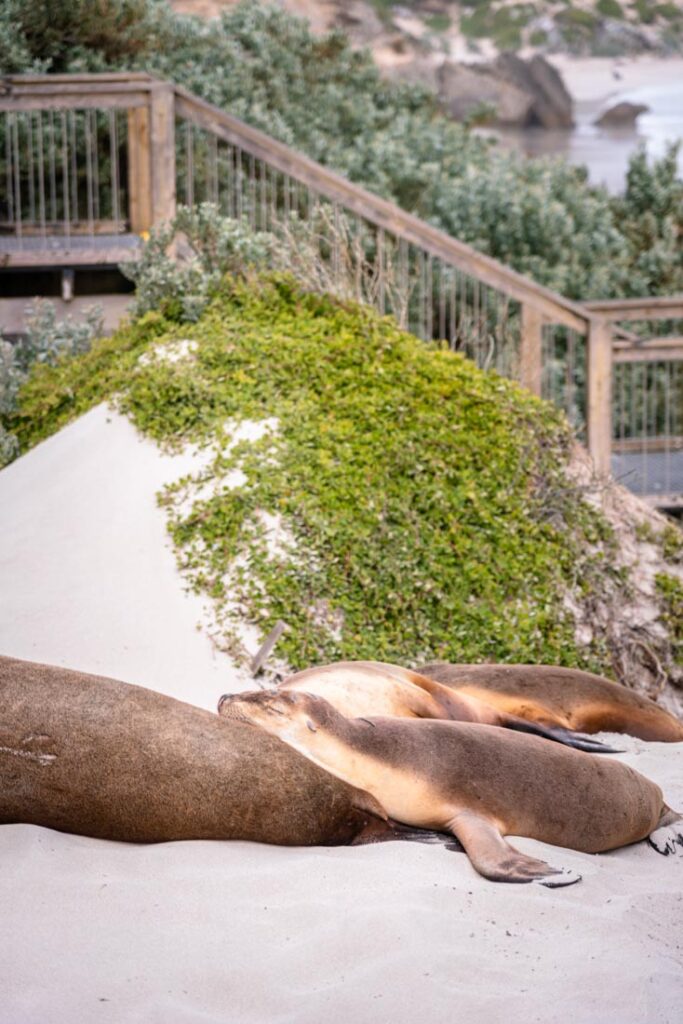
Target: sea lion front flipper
x: 558, y: 734
x: 494, y: 858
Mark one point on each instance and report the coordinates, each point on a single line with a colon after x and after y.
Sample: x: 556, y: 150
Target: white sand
x: 236, y: 932
x: 599, y: 78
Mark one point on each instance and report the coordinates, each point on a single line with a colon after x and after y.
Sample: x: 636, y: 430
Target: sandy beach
x: 238, y: 932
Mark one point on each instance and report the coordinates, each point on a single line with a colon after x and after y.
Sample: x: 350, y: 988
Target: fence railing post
x: 163, y: 168
x: 531, y: 349
x: 599, y: 393
x: 139, y: 170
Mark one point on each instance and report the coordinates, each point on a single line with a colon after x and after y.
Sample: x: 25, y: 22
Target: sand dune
x: 237, y: 932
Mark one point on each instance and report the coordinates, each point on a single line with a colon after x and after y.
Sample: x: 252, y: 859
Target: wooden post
x: 599, y: 393
x: 162, y: 110
x: 139, y: 171
x: 531, y: 349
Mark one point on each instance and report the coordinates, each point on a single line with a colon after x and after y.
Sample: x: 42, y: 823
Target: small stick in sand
x: 266, y: 647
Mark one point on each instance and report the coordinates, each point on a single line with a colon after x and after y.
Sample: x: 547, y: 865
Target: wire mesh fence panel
x: 648, y: 426
x: 62, y: 173
x: 563, y: 379
x: 334, y: 249
x: 648, y: 404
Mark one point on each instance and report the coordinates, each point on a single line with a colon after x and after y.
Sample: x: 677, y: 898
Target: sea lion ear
x: 310, y: 725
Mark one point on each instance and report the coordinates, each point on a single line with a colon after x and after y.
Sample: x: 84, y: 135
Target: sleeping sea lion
x: 85, y: 754
x: 560, y: 697
x: 358, y: 688
x: 476, y: 782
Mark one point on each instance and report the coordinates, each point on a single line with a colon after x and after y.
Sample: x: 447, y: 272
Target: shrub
x: 47, y: 341
x: 609, y: 9
x: 209, y: 246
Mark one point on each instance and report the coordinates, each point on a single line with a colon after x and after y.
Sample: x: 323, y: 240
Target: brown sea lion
x: 85, y: 754
x: 560, y: 697
x: 476, y: 782
x: 358, y: 688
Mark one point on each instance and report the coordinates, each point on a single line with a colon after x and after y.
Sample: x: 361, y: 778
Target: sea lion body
x: 477, y: 782
x: 85, y: 754
x: 374, y: 688
x: 563, y: 697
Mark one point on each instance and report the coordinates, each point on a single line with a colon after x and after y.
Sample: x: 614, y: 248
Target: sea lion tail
x: 558, y: 734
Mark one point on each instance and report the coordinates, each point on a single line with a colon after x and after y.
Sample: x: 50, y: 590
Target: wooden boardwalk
x: 94, y: 161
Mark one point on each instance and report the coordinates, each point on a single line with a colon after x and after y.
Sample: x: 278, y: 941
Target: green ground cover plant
x: 426, y: 505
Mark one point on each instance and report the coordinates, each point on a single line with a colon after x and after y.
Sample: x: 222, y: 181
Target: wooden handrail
x: 664, y: 307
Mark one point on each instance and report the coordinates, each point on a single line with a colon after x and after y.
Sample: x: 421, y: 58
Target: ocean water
x: 606, y: 151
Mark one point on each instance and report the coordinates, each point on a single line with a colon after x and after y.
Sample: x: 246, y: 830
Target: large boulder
x: 463, y: 88
x: 552, y: 105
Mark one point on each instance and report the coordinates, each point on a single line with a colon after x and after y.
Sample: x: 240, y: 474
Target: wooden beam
x: 647, y: 444
x: 108, y: 252
x: 139, y: 171
x: 531, y: 349
x: 652, y: 352
x: 93, y: 77
x: 114, y: 308
x: 599, y: 393
x: 665, y: 307
x: 162, y: 134
x: 76, y: 101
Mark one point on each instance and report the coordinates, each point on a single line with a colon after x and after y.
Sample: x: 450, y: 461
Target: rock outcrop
x: 521, y: 92
x: 464, y: 88
x: 621, y: 115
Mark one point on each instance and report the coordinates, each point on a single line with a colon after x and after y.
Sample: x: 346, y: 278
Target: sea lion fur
x: 476, y: 782
x: 560, y: 697
x: 94, y: 756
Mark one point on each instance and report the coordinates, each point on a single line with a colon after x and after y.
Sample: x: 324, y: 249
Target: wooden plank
x: 76, y: 101
x: 56, y: 228
x: 114, y: 308
x: 599, y: 393
x: 95, y: 77
x: 162, y: 134
x: 650, y: 353
x: 49, y: 87
x: 139, y: 171
x: 531, y: 349
x: 68, y: 256
x: 666, y: 307
x: 647, y: 444
x: 379, y: 211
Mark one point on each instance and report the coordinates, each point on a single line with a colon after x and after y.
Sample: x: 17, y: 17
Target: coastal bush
x: 47, y: 341
x: 207, y: 247
x: 610, y: 9
x: 329, y: 101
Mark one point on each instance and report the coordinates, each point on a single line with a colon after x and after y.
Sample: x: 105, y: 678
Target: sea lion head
x: 282, y: 712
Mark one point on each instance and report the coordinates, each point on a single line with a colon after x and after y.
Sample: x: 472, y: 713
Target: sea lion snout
x: 253, y: 706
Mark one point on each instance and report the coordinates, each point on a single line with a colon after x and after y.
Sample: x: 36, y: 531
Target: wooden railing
x: 647, y: 421
x: 94, y: 161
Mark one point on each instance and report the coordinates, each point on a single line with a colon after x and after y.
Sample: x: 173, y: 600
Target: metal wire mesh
x: 62, y: 173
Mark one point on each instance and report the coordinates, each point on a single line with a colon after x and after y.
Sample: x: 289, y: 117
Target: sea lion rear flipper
x: 494, y: 858
x: 667, y: 838
x: 559, y: 734
x: 380, y: 831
